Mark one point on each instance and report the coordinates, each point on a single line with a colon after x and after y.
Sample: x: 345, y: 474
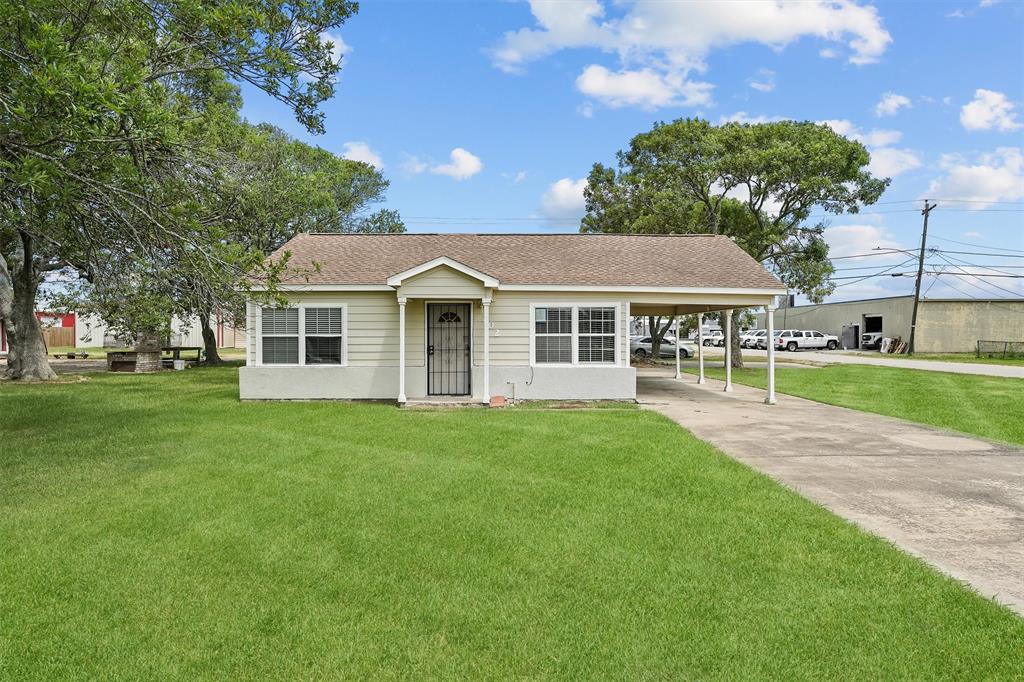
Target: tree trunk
x: 209, y: 338
x: 737, y: 352
x: 26, y: 357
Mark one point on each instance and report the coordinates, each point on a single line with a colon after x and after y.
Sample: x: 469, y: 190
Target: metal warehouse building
x: 944, y: 325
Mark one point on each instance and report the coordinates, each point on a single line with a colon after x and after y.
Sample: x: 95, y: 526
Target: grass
x: 990, y: 407
x: 100, y: 353
x: 156, y: 527
x: 952, y: 357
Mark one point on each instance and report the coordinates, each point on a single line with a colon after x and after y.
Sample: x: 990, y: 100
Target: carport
x: 699, y: 302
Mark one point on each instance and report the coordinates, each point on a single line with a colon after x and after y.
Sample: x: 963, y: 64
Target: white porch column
x: 728, y: 350
x: 401, y: 350
x: 487, y: 351
x: 675, y: 323
x: 700, y: 349
x: 769, y: 321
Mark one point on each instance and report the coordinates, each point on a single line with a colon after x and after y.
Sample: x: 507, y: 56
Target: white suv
x: 752, y: 338
x: 793, y: 339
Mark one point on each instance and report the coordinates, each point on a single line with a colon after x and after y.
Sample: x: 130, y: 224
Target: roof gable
x: 529, y: 260
x: 441, y: 262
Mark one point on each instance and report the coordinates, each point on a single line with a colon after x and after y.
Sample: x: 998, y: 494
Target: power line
x: 993, y: 248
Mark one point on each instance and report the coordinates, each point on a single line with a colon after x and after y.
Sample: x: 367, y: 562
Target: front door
x: 449, y: 339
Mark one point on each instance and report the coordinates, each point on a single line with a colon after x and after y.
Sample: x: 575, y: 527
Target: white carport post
x: 728, y: 351
x: 769, y: 319
x: 401, y: 350
x: 675, y: 323
x: 700, y: 349
x: 487, y: 351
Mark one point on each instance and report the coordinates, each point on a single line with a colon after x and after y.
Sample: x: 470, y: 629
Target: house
x: 470, y: 316
x: 944, y: 325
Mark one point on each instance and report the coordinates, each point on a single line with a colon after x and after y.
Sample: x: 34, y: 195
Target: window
x: 303, y: 335
x: 553, y: 340
x: 574, y: 335
x: 280, y: 336
x: 596, y: 335
x: 818, y: 335
x: 323, y: 336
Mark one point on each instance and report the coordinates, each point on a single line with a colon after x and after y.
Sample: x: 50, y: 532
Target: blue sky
x: 486, y: 116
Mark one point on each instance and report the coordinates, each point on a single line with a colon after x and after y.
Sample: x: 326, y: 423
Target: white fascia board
x: 643, y: 290
x: 488, y: 281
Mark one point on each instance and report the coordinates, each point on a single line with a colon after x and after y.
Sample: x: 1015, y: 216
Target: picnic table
x: 176, y: 352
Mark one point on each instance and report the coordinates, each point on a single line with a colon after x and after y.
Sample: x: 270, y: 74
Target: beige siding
x: 510, y: 320
x: 442, y: 283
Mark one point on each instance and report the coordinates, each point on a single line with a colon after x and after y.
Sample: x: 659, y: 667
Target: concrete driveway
x: 955, y: 501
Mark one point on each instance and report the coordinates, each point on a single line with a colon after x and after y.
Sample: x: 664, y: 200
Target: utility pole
x: 920, y: 271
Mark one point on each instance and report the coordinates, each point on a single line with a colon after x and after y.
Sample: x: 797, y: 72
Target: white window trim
x: 575, y: 334
x: 301, y: 307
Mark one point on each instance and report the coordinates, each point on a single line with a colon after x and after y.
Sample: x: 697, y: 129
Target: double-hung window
x: 596, y: 328
x: 552, y: 335
x: 303, y: 335
x: 323, y: 336
x: 574, y: 335
x: 280, y: 336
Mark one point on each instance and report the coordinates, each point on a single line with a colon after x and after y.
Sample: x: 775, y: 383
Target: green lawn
x: 991, y: 407
x: 154, y: 527
x: 950, y: 357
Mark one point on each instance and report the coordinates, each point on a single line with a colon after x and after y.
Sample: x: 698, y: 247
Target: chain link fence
x: 1000, y: 349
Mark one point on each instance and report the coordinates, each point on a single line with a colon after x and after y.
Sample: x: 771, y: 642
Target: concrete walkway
x: 846, y: 358
x: 955, y: 501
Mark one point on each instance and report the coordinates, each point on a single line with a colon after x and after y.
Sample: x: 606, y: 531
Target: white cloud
x: 828, y: 53
x: 989, y: 110
x: 957, y: 14
x: 339, y: 48
x: 971, y: 234
x: 413, y: 164
x: 850, y: 240
x: 744, y: 117
x: 644, y: 88
x: 463, y: 165
x: 764, y: 81
x: 997, y: 176
x: 891, y: 103
x: 361, y: 151
x: 888, y: 162
x: 520, y: 176
x: 563, y: 200
x: 658, y: 44
x: 586, y: 110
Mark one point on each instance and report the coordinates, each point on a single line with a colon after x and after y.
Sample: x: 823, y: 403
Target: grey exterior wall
x: 956, y: 326
x: 944, y: 326
x: 381, y: 383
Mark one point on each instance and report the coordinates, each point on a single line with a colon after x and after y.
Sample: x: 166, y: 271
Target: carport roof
x: 590, y: 260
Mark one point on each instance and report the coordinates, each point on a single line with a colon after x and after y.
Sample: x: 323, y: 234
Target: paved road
x: 955, y: 501
x: 838, y: 357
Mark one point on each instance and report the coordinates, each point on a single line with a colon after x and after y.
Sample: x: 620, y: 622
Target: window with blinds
x: 323, y: 336
x: 596, y: 327
x: 552, y: 335
x: 280, y: 336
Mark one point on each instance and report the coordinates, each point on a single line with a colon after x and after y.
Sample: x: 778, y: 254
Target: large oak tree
x: 96, y: 102
x: 760, y: 184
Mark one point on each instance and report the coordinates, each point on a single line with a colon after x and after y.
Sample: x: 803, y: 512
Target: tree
x: 95, y: 101
x: 757, y: 183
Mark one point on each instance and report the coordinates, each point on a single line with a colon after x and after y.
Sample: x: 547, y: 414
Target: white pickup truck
x: 794, y: 339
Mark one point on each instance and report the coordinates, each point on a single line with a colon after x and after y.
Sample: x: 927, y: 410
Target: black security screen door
x: 448, y: 349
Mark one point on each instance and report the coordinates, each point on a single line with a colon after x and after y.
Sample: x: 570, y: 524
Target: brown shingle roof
x: 557, y: 259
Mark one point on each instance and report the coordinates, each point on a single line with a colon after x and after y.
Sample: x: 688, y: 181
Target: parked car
x: 749, y: 338
x: 795, y: 339
x: 871, y: 340
x: 715, y: 337
x: 762, y: 342
x: 640, y: 346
